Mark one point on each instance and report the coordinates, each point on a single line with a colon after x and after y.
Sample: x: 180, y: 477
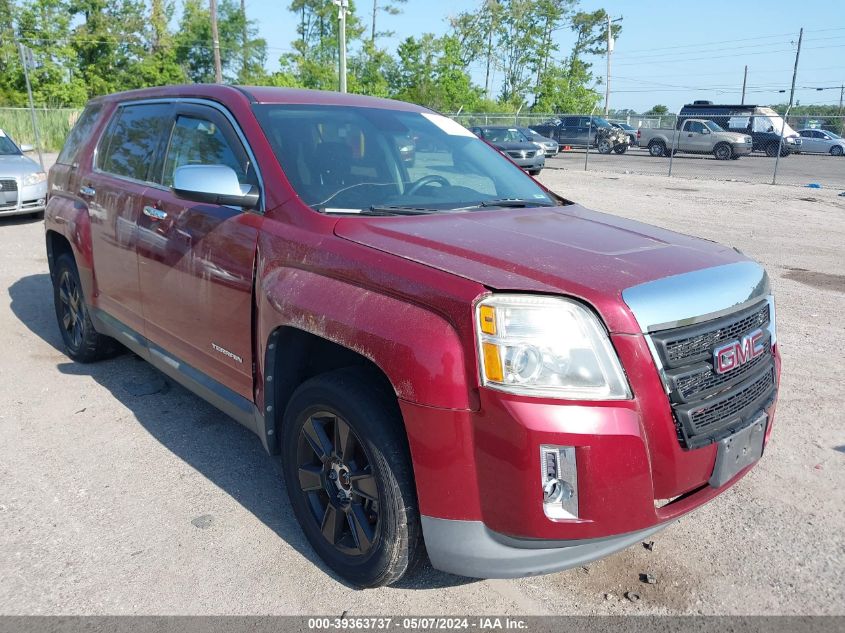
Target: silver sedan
x: 822, y: 142
x: 23, y: 184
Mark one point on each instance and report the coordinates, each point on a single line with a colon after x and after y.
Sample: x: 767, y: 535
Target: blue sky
x: 669, y: 52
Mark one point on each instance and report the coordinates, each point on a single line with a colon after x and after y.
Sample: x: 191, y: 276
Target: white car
x: 23, y: 184
x: 822, y: 142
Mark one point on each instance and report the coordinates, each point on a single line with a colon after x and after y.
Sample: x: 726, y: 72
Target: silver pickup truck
x: 696, y: 136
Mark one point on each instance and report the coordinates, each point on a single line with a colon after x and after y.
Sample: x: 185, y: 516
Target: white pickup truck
x: 695, y: 136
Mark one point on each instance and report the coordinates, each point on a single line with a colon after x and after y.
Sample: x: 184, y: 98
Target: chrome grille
x: 699, y: 344
x: 706, y: 405
x: 8, y: 184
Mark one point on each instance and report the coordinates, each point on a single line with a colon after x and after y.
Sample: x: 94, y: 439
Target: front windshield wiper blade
x: 515, y: 203
x: 381, y: 210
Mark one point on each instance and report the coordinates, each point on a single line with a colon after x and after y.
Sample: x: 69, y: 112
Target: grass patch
x: 53, y: 125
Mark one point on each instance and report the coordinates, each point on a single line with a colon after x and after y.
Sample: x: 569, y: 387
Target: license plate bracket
x: 739, y: 451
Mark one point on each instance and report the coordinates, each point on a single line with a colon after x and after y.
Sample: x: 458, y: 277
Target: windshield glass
x: 714, y: 127
x: 357, y: 158
x: 505, y: 135
x: 600, y: 122
x: 831, y: 134
x: 771, y: 121
x: 7, y: 147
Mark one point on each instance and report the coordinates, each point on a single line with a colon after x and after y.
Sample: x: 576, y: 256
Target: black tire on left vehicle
x: 722, y: 151
x: 534, y: 172
x: 82, y: 342
x: 836, y: 150
x: 348, y: 473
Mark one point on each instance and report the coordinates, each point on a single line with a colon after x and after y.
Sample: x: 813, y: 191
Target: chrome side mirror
x: 213, y: 184
x: 27, y: 148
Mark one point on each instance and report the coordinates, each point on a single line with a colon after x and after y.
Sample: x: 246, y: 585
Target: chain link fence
x: 753, y: 145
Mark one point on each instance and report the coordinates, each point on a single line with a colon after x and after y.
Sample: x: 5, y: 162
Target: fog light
x: 559, y: 480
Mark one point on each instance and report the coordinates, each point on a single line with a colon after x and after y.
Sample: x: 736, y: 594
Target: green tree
x: 658, y: 109
x: 390, y: 7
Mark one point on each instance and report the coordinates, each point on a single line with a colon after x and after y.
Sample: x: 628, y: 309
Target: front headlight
x: 546, y: 346
x: 34, y: 178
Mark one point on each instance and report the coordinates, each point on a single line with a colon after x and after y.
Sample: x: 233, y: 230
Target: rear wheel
x: 657, y: 148
x: 605, y: 146
x: 348, y: 474
x: 722, y: 151
x: 82, y: 342
x: 836, y: 150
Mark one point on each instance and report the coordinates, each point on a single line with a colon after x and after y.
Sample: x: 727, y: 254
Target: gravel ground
x: 121, y: 493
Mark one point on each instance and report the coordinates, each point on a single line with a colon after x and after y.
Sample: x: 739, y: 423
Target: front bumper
x: 741, y: 149
x: 469, y: 548
x: 27, y: 199
x: 538, y: 161
x: 478, y: 481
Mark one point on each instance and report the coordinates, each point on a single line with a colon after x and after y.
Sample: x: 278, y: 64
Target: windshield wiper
x: 516, y: 203
x: 382, y: 210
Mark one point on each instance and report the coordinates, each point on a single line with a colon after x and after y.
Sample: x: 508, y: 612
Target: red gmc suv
x: 443, y: 351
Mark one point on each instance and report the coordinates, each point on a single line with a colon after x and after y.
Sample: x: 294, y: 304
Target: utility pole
x: 343, y: 7
x: 789, y: 107
x: 28, y: 62
x: 492, y: 5
x: 215, y: 40
x: 841, y: 122
x: 244, y: 43
x: 744, y: 79
x: 609, y: 54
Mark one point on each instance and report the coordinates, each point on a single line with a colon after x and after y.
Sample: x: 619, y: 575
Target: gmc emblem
x: 737, y: 353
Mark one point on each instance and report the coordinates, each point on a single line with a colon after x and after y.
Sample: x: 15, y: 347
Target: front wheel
x: 836, y: 150
x: 348, y: 474
x: 534, y: 172
x: 620, y: 149
x: 722, y: 151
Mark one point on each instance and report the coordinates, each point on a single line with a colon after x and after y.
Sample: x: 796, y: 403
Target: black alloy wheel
x: 347, y: 468
x: 336, y: 478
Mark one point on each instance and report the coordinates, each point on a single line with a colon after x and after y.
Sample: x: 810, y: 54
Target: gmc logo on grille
x: 737, y: 353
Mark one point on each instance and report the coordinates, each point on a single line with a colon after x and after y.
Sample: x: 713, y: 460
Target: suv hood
x: 734, y: 137
x: 565, y: 250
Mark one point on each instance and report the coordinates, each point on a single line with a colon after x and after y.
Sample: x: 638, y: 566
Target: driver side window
x: 198, y: 141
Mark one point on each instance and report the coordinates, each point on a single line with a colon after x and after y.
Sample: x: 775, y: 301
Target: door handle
x: 85, y: 190
x: 155, y: 214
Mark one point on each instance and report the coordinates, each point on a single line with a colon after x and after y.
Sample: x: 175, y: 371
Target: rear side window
x: 131, y: 142
x: 80, y: 134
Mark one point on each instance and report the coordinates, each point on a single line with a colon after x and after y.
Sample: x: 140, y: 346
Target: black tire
x: 534, y: 172
x: 604, y: 146
x: 657, y: 149
x: 82, y: 342
x: 375, y: 527
x: 836, y: 150
x: 772, y: 150
x: 722, y: 151
x: 620, y: 149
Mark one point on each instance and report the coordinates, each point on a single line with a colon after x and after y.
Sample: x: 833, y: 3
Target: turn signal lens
x: 487, y: 319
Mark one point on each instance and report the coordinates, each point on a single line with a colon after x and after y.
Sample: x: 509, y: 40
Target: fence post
x: 675, y: 135
x: 780, y: 143
x: 589, y: 138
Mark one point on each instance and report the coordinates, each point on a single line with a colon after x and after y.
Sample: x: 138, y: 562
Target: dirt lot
x: 122, y: 493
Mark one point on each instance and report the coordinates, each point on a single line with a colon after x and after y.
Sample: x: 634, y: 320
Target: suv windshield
x: 7, y: 147
x: 352, y: 159
x: 714, y: 127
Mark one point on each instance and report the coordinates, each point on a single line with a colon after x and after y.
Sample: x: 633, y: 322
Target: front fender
x: 418, y: 350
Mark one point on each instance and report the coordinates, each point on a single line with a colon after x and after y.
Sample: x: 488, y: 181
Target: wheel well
x: 57, y: 245
x: 293, y: 356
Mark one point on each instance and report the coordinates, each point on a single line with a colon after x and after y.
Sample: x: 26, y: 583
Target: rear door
x: 113, y: 191
x: 196, y: 260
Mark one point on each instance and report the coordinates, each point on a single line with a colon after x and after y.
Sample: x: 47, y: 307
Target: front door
x: 196, y: 260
